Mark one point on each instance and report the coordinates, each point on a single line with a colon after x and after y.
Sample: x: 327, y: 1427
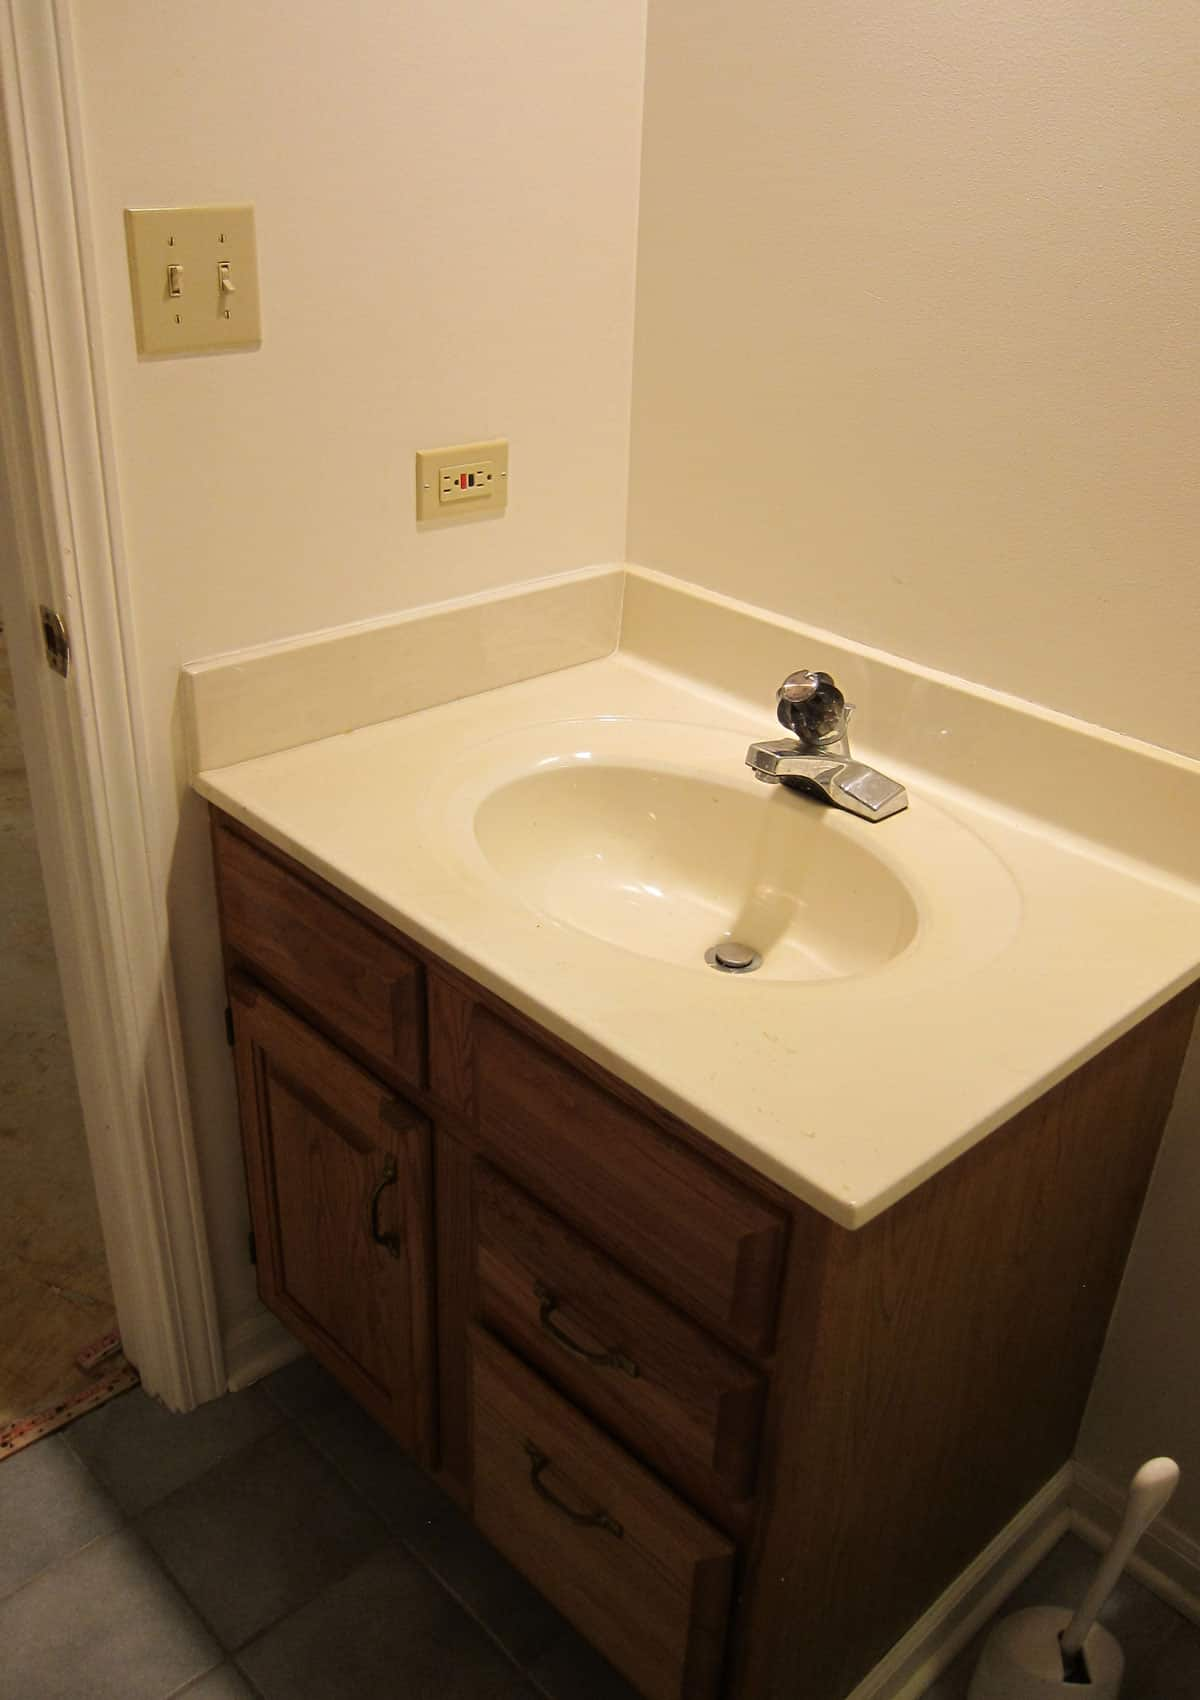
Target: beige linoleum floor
x: 55, y: 1296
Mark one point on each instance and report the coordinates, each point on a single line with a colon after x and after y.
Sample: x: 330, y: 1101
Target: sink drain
x: 732, y: 958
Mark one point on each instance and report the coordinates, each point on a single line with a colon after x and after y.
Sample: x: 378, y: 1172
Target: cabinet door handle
x: 611, y: 1359
x: 390, y: 1242
x: 538, y: 1462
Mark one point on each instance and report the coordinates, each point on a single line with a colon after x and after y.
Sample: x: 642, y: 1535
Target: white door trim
x: 85, y: 737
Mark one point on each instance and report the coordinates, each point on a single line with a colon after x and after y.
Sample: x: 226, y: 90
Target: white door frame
x: 61, y: 544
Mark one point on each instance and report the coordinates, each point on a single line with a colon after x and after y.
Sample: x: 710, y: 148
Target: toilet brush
x: 1047, y: 1651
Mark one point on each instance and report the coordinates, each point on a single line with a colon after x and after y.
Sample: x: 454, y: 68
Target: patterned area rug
x: 108, y: 1372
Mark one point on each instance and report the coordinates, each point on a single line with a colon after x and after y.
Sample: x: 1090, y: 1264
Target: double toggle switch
x: 195, y: 278
x: 225, y: 283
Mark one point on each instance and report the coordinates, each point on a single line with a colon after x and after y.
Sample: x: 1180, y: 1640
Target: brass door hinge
x: 54, y: 637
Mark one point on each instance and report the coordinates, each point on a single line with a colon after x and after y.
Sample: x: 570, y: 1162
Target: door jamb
x: 90, y: 771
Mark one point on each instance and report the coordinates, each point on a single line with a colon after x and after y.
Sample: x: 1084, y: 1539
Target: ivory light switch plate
x: 194, y: 272
x: 465, y: 479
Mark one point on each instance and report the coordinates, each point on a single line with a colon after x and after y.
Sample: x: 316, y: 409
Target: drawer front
x: 708, y: 1242
x: 665, y: 1387
x: 643, y: 1577
x: 366, y: 990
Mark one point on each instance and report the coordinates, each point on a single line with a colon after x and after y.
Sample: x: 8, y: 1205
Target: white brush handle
x: 1149, y: 1491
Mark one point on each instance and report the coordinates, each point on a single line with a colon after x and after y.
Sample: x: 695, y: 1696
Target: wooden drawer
x: 665, y: 1387
x: 706, y: 1240
x: 363, y: 989
x: 643, y: 1577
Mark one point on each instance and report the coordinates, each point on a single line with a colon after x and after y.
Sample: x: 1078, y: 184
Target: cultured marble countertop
x: 1034, y: 945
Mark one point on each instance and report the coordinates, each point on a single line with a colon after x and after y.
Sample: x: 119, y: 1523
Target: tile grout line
x: 401, y: 1542
x: 129, y: 1524
x: 66, y: 1558
x: 231, y: 1653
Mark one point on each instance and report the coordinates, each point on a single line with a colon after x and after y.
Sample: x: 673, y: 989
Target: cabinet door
x: 338, y: 1173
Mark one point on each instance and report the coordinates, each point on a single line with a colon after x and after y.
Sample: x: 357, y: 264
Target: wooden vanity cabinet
x: 742, y: 1448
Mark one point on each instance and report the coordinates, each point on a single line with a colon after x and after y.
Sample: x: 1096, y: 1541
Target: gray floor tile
x: 1174, y: 1674
x: 1143, y: 1624
x: 141, y: 1452
x: 106, y: 1623
x: 386, y: 1629
x: 260, y: 1534
x: 1061, y: 1579
x: 417, y: 1511
x: 224, y: 1683
x: 50, y: 1506
x: 300, y: 1386
x: 571, y: 1669
x: 507, y: 1606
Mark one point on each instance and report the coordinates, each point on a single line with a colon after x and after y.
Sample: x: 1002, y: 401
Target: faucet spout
x: 817, y: 760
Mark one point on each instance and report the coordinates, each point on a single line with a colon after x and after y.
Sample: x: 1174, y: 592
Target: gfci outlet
x: 465, y: 479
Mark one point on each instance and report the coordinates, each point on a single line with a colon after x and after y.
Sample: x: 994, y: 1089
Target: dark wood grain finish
x: 653, y: 1597
x: 688, y: 1227
x: 453, y: 1163
x: 935, y: 1379
x: 360, y: 986
x: 451, y: 1038
x: 676, y: 1397
x: 321, y: 1140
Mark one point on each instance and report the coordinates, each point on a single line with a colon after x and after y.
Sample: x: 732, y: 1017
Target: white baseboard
x: 1167, y: 1561
x: 255, y: 1347
x: 937, y: 1638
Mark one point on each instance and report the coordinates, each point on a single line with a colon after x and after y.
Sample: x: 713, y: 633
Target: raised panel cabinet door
x: 338, y: 1172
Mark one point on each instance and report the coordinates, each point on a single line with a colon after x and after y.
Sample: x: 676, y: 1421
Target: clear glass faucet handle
x: 799, y: 687
x: 810, y: 706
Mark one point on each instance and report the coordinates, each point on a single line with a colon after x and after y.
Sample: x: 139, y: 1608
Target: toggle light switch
x: 215, y: 248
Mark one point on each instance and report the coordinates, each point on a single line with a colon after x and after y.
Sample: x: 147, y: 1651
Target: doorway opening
x: 60, y: 1350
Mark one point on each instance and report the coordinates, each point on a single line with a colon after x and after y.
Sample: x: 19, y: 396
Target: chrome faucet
x: 816, y: 759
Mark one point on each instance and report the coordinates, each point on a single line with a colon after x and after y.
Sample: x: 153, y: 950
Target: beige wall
x: 916, y: 354
x: 916, y: 359
x: 446, y: 209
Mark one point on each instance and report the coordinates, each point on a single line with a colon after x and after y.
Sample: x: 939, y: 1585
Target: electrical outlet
x: 463, y: 480
x: 466, y: 483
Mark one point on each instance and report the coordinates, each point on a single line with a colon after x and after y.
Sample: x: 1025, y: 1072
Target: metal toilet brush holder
x: 1046, y: 1650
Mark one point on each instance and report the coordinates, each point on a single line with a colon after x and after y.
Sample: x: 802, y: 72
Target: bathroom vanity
x: 740, y: 1446
x: 741, y: 1313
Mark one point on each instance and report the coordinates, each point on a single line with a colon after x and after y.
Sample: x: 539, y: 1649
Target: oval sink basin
x: 669, y: 863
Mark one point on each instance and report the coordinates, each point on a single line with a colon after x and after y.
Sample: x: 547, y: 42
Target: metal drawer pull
x: 612, y: 1359
x: 538, y: 1462
x: 390, y: 1242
